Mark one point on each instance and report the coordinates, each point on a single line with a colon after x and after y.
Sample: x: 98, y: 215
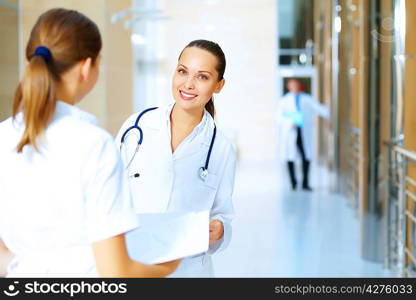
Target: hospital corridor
x: 295, y: 235
x: 287, y: 127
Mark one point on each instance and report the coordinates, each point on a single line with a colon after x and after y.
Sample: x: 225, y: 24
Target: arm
x: 320, y: 109
x: 222, y: 211
x: 112, y: 260
x: 110, y: 214
x: 5, y: 258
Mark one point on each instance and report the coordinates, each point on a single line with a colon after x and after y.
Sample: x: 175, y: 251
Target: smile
x: 186, y: 96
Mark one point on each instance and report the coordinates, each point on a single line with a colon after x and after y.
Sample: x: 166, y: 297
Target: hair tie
x: 44, y: 52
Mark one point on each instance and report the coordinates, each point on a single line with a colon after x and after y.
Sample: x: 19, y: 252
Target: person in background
x: 296, y: 115
x: 65, y: 204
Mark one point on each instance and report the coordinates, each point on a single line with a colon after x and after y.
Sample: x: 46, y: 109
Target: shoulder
x: 98, y: 145
x: 131, y: 119
x: 148, y: 117
x: 285, y: 99
x: 308, y: 97
x: 74, y: 133
x: 226, y: 143
x: 286, y: 96
x: 224, y: 154
x: 64, y: 134
x: 153, y: 116
x: 223, y: 139
x: 82, y: 129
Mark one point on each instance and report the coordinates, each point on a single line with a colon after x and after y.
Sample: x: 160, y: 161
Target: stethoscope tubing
x: 211, y: 145
x: 203, y: 170
x: 136, y: 126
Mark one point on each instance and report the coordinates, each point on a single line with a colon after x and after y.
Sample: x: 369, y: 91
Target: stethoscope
x: 202, y: 171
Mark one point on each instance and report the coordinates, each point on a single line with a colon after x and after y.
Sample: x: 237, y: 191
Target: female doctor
x: 184, y: 162
x: 65, y: 203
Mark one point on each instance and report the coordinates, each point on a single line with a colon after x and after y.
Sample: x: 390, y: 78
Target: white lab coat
x: 56, y: 203
x: 170, y: 182
x: 288, y: 133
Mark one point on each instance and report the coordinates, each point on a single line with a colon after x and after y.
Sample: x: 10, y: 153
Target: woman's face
x: 195, y: 79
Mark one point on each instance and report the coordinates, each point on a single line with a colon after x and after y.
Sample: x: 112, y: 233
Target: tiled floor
x: 281, y: 233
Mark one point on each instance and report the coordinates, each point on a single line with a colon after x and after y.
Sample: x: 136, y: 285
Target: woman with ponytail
x: 64, y: 200
x: 185, y: 163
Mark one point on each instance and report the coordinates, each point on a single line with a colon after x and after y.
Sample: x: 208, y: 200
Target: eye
x: 181, y: 71
x: 203, y: 77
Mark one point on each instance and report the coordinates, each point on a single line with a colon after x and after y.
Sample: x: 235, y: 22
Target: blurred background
x: 358, y: 58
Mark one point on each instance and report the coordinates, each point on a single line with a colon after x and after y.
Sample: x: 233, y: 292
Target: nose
x: 189, y: 83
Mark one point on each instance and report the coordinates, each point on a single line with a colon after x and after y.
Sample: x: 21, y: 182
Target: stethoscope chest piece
x: 203, y: 173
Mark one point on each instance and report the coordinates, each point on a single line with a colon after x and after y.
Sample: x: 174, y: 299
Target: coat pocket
x: 211, y: 181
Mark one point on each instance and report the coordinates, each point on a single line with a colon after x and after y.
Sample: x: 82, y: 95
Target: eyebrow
x: 181, y: 65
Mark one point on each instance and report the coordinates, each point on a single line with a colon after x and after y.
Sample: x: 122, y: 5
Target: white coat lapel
x: 197, y: 140
x: 153, y: 193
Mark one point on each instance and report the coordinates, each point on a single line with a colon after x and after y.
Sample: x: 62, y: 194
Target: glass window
x: 295, y: 32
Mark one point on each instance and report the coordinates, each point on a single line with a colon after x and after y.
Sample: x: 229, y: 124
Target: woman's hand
x: 216, y: 231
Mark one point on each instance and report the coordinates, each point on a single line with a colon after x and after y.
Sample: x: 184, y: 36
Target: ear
x: 220, y: 85
x: 86, y: 68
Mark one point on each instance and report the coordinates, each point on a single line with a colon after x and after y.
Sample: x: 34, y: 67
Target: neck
x: 182, y: 122
x: 184, y: 118
x: 63, y: 94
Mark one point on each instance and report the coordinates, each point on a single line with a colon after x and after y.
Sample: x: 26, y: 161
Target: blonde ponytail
x: 36, y: 97
x: 68, y: 37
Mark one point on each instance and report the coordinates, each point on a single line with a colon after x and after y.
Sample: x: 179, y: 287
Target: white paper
x: 168, y: 236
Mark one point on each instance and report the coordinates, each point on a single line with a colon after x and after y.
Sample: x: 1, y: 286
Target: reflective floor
x: 281, y: 233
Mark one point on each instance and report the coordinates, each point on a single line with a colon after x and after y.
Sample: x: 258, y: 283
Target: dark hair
x: 67, y: 37
x: 215, y: 50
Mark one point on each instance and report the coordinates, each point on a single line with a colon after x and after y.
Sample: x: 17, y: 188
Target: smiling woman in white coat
x: 185, y: 163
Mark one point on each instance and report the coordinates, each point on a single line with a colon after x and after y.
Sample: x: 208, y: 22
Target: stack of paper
x: 168, y: 236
